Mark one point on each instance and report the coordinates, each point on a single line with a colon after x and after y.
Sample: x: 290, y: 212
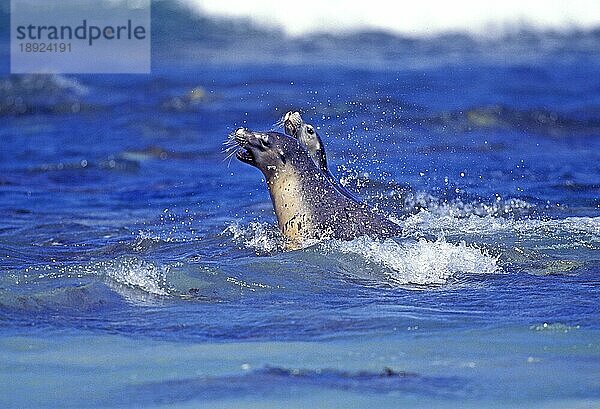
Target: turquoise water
x: 139, y: 268
x: 466, y: 368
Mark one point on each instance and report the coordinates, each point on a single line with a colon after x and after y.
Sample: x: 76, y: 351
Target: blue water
x: 139, y: 268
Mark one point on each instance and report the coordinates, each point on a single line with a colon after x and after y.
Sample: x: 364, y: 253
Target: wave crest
x: 139, y: 274
x: 420, y: 262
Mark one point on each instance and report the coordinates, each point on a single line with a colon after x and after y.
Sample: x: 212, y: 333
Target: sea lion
x: 307, y: 205
x: 309, y: 138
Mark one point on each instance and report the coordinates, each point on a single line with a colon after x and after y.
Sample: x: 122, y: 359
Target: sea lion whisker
x: 229, y: 148
x: 232, y: 146
x: 230, y: 154
x: 230, y: 141
x: 279, y: 123
x: 230, y: 157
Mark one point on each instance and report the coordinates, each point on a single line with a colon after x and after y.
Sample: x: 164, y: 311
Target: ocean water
x: 141, y: 268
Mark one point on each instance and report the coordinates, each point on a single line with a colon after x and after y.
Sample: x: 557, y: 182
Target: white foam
x: 420, y: 262
x: 485, y: 244
x: 122, y: 274
x: 552, y: 229
x: 403, y: 263
x: 262, y: 237
x: 415, y: 18
x: 140, y: 274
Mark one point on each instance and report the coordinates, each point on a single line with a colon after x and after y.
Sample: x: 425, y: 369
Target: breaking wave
x: 420, y: 262
x: 471, y: 239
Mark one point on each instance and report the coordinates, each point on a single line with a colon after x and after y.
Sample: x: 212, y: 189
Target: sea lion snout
x: 241, y: 136
x: 292, y: 115
x: 247, y: 138
x: 292, y: 122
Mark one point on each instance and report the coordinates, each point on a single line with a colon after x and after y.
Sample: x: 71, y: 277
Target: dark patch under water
x: 284, y: 382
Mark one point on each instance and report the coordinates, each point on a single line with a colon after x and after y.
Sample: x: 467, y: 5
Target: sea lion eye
x: 310, y: 130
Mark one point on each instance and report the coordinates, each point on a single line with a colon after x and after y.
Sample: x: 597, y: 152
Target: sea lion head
x: 271, y: 152
x: 295, y: 126
x: 308, y: 137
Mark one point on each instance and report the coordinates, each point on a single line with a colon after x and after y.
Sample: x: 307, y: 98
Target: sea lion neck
x: 291, y: 204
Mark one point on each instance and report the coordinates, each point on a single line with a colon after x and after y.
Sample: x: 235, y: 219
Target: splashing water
x: 407, y: 262
x: 137, y: 273
x: 129, y: 272
x: 420, y: 262
x: 263, y: 238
